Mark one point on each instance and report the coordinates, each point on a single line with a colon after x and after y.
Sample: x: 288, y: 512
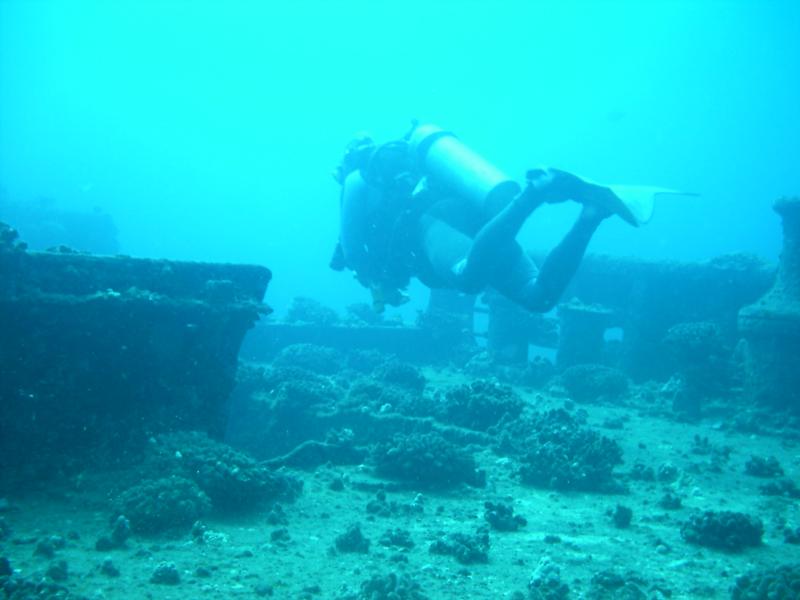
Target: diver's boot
x: 558, y: 186
x: 603, y: 199
x: 594, y: 213
x: 554, y: 186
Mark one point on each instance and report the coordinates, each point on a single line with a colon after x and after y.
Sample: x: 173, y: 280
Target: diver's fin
x: 637, y: 202
x: 633, y: 203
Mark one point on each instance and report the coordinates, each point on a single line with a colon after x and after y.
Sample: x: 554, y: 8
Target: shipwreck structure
x: 643, y: 299
x: 771, y: 326
x: 100, y: 352
x: 618, y: 311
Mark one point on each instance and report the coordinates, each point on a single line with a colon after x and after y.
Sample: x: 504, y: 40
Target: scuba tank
x: 454, y: 166
x: 376, y: 232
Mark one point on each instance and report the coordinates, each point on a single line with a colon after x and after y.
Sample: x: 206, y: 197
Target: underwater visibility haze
x: 193, y: 403
x: 208, y: 132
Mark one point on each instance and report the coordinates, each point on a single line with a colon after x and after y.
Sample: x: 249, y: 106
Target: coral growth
x: 400, y: 374
x: 502, y: 518
x: 312, y: 312
x: 352, y: 540
x: 480, y: 405
x: 312, y: 357
x: 782, y: 487
x: 162, y: 505
x: 426, y: 460
x: 768, y: 584
x: 276, y: 408
x: 399, y: 538
x: 546, y: 583
x: 166, y: 573
x: 389, y: 587
x: 231, y: 479
x: 611, y: 585
x: 557, y: 453
x: 366, y: 392
x: 366, y: 361
x: 466, y: 549
x: 765, y: 467
x: 723, y: 530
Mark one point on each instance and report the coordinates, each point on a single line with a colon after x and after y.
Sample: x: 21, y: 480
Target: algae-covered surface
x: 572, y: 545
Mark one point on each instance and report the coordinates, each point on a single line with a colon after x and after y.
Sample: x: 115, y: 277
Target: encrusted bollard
x: 771, y: 326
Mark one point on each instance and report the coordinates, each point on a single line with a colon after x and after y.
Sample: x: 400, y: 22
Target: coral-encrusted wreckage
x: 134, y: 383
x: 101, y: 352
x: 771, y: 326
x: 706, y: 326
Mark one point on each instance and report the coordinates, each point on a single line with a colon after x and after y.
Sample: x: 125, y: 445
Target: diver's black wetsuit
x: 448, y: 243
x: 471, y: 258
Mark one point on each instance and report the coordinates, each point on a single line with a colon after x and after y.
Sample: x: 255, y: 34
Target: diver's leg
x: 466, y: 264
x: 540, y: 291
x: 443, y: 247
x: 516, y: 280
x: 563, y: 261
x: 494, y: 242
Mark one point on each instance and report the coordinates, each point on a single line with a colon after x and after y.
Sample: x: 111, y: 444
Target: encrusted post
x: 771, y: 326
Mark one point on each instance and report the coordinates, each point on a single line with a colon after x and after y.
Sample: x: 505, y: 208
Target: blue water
x: 208, y: 130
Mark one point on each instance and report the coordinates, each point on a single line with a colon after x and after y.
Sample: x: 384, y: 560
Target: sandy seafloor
x: 244, y: 563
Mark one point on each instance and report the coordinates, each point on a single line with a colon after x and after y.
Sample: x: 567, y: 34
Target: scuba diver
x: 427, y: 206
